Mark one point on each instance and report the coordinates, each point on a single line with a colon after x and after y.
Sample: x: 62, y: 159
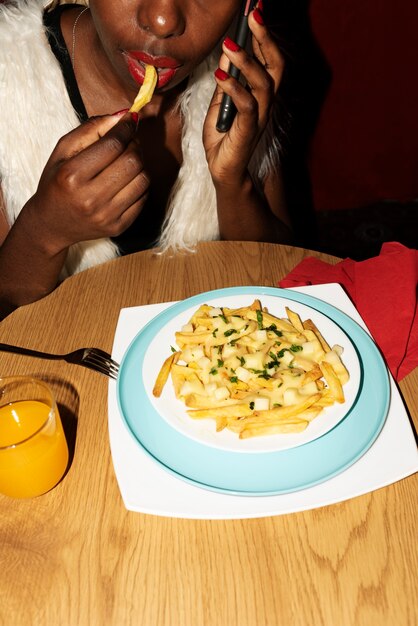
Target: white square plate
x: 148, y: 488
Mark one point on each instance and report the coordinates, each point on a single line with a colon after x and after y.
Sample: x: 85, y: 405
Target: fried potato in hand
x: 147, y: 89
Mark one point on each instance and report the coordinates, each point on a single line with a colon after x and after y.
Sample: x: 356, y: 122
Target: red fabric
x: 384, y: 291
x: 365, y: 147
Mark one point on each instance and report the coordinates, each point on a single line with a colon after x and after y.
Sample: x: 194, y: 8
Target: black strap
x: 52, y: 22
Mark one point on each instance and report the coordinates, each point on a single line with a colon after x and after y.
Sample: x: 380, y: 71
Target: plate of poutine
x: 299, y: 396
x: 239, y: 378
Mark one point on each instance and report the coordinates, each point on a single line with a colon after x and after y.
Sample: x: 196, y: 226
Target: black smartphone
x: 228, y: 110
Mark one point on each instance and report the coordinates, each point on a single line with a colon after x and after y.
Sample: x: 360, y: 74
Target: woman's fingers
x: 229, y: 153
x: 85, y: 135
x: 124, y: 202
x: 262, y: 71
x: 95, y: 180
x: 104, y: 199
x: 252, y: 100
x: 99, y: 155
x: 132, y: 198
x: 265, y: 48
x: 99, y: 158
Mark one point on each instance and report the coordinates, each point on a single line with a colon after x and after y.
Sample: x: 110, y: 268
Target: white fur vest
x: 36, y: 111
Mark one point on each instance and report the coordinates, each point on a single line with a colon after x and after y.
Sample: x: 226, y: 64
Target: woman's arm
x: 245, y: 213
x: 93, y: 186
x: 28, y: 269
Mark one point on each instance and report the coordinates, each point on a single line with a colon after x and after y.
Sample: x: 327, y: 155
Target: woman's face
x: 173, y: 35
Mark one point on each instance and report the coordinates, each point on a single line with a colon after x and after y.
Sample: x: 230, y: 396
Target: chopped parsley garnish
x: 234, y: 379
x: 214, y: 332
x: 252, y: 406
x: 241, y: 360
x: 173, y: 349
x: 275, y: 330
x: 259, y: 319
x: 265, y: 376
x: 223, y: 317
x: 281, y: 352
x: 295, y: 348
x: 274, y: 362
x: 213, y: 371
x: 220, y: 363
x: 230, y: 332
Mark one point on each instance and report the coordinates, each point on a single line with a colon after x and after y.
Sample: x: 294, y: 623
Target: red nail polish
x: 258, y: 17
x: 135, y: 116
x: 260, y: 5
x: 121, y: 112
x: 220, y: 74
x: 231, y: 45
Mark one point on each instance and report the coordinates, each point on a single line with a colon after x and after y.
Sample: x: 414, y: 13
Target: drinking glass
x: 33, y: 447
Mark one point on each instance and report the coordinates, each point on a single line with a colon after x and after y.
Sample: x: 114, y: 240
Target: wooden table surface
x: 75, y: 556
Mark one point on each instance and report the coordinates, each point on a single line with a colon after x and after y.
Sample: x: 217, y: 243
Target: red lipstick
x: 166, y: 66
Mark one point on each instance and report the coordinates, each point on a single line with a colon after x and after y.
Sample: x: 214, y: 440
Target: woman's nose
x: 162, y: 18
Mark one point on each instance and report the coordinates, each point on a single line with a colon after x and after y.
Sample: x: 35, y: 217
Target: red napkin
x: 384, y: 291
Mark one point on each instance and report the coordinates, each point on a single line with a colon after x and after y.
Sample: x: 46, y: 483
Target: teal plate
x: 264, y: 473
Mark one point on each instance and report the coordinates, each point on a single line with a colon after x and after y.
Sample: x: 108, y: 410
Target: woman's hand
x: 93, y: 185
x: 229, y: 153
x: 243, y: 212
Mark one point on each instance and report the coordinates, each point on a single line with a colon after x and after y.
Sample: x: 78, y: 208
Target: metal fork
x: 93, y: 358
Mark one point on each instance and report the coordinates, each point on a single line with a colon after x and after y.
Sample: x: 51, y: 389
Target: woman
x: 170, y: 177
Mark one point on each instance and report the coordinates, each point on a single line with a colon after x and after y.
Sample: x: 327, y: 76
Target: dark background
x: 349, y: 121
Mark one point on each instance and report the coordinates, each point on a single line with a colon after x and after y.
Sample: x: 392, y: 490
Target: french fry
x: 192, y: 338
x: 270, y: 320
x: 221, y: 423
x: 309, y: 325
x: 338, y: 366
x: 333, y: 381
x: 147, y: 89
x: 243, y: 311
x: 313, y: 374
x: 288, y: 411
x: 197, y: 401
x: 237, y: 410
x: 294, y: 319
x: 291, y: 426
x: 164, y: 373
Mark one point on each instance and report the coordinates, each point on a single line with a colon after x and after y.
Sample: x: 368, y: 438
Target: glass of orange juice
x: 33, y: 448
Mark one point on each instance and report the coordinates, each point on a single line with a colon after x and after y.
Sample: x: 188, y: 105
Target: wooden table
x: 77, y: 557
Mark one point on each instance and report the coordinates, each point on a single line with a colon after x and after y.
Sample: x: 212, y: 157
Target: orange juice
x: 33, y: 448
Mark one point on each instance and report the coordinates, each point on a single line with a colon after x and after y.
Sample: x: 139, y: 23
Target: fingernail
x: 135, y: 116
x: 231, y: 45
x: 220, y: 74
x: 258, y: 17
x: 121, y: 112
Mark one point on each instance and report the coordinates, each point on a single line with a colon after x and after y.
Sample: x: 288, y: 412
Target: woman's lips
x: 166, y: 67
